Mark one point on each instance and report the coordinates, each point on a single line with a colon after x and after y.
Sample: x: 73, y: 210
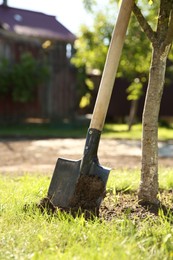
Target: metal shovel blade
x: 65, y: 178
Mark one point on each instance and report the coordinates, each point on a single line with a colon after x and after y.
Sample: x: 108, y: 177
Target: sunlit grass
x: 124, y: 179
x: 121, y: 131
x: 28, y: 234
x: 166, y: 180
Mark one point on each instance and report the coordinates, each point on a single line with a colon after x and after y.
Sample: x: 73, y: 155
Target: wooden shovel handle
x: 111, y: 66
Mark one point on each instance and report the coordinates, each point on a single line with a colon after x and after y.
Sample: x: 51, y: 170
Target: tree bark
x: 148, y: 189
x: 161, y: 40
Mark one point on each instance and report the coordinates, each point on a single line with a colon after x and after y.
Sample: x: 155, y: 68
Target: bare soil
x: 126, y: 204
x: 22, y: 156
x: 88, y: 195
x: 116, y: 206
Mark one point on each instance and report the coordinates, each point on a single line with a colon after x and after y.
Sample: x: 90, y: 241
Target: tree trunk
x: 132, y: 114
x: 148, y: 189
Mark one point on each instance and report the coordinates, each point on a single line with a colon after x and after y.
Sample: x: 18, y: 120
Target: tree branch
x: 144, y: 24
x: 164, y: 19
x: 169, y: 36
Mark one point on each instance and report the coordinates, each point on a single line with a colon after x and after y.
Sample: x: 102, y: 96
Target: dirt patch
x: 22, y: 156
x: 118, y: 206
x: 126, y: 204
x: 88, y: 195
x: 46, y: 204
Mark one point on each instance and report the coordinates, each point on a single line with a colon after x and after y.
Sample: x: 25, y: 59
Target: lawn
x: 77, y: 130
x: 26, y: 233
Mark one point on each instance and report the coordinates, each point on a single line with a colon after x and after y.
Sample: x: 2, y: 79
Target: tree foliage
x: 92, y: 46
x: 91, y: 49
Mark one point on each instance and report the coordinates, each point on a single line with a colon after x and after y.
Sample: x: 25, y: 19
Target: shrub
x: 21, y: 79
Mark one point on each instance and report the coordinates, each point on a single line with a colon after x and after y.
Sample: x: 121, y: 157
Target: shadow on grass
x: 110, y: 130
x: 43, y: 130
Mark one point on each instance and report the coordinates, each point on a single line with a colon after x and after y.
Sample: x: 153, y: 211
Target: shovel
x: 66, y: 182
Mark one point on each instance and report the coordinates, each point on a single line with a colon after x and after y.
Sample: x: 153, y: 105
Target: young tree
x: 159, y: 31
x: 161, y: 39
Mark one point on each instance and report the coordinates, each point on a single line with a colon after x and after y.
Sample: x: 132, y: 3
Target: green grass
x: 77, y: 130
x: 32, y: 235
x: 120, y: 131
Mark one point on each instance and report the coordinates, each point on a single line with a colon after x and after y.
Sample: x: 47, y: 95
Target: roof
x: 34, y: 24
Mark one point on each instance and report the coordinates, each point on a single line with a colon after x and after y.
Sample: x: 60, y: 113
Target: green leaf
x: 150, y: 2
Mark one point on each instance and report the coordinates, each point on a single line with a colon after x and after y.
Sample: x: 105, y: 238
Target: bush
x: 21, y: 79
